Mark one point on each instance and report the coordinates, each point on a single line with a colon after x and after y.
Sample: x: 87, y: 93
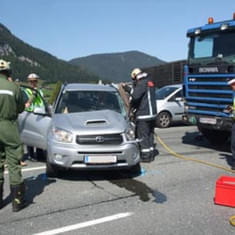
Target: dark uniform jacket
x: 143, y: 98
x: 11, y: 99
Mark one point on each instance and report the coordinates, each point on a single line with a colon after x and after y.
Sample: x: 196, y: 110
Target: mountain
x: 26, y: 59
x: 116, y: 66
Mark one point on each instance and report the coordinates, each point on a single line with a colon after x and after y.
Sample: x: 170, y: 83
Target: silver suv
x: 88, y: 129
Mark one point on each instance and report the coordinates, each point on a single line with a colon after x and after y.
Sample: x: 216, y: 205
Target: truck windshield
x: 86, y: 101
x: 212, y: 48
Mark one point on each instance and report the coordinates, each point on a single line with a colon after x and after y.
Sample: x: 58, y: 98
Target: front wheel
x: 51, y: 170
x: 136, y: 169
x: 163, y: 120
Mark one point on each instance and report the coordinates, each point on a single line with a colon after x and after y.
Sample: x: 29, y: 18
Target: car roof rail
x: 114, y: 85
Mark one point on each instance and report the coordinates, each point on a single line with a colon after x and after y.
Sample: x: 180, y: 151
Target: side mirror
x: 40, y: 111
x: 179, y: 99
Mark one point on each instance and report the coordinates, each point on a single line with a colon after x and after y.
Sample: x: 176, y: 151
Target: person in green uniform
x: 232, y: 110
x: 11, y: 151
x: 34, y: 100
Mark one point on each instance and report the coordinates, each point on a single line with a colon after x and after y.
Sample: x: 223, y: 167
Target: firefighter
x: 34, y: 100
x: 143, y: 105
x: 232, y: 109
x: 11, y: 151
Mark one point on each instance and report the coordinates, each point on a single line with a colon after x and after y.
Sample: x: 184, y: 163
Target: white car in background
x: 170, y: 105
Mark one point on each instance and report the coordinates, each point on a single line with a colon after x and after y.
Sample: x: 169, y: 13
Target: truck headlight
x: 130, y: 134
x: 62, y: 135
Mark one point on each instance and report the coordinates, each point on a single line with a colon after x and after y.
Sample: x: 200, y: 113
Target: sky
x: 75, y: 28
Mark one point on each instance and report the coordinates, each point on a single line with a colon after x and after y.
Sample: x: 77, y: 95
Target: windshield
x: 163, y: 92
x: 212, y: 48
x: 86, y: 101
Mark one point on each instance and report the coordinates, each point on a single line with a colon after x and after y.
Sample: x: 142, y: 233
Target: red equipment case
x: 225, y: 191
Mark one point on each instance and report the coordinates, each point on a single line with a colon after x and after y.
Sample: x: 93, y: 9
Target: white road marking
x: 85, y: 224
x: 31, y: 169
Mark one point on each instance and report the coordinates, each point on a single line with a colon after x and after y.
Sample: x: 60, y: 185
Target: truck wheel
x: 163, y: 120
x: 51, y: 170
x: 215, y: 137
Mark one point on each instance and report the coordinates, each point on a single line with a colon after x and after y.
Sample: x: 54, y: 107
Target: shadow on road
x: 84, y: 175
x: 196, y: 139
x: 140, y: 189
x: 121, y: 178
x: 35, y: 186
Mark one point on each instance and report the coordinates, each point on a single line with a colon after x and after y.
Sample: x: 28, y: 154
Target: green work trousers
x: 11, y: 151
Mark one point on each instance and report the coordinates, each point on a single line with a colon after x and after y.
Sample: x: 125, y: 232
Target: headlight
x: 62, y: 135
x: 130, y: 134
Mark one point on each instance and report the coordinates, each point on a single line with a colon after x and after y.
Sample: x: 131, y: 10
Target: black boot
x: 233, y: 165
x: 18, y: 201
x: 1, y: 195
x: 146, y: 157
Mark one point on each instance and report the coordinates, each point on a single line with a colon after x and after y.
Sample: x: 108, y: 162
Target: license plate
x: 208, y: 121
x: 100, y: 159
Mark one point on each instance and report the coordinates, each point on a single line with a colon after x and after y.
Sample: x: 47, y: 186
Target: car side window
x: 179, y: 94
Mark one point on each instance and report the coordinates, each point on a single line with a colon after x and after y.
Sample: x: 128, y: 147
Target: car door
x: 34, y: 126
x: 176, y: 105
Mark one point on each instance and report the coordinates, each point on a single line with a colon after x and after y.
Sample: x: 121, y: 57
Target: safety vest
x: 233, y: 108
x: 37, y: 100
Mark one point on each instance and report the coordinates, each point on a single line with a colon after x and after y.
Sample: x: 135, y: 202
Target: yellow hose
x: 232, y: 220
x: 177, y: 155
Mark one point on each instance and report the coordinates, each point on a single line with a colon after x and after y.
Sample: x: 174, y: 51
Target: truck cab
x: 211, y: 65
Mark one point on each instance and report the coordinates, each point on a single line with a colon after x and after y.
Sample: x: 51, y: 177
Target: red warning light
x: 210, y: 20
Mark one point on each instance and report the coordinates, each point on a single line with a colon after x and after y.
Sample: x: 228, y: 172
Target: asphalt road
x: 170, y: 196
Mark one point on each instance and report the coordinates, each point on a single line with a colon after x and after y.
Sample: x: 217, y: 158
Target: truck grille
x: 208, y: 87
x: 208, y: 95
x: 111, y: 139
x: 208, y: 79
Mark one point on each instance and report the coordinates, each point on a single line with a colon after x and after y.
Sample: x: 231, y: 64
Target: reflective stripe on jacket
x: 234, y: 108
x: 36, y: 99
x: 11, y: 99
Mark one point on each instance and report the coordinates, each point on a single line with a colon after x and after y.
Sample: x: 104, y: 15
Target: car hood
x: 88, y: 123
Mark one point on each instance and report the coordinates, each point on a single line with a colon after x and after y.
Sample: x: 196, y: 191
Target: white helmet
x: 231, y: 82
x: 32, y: 76
x: 4, y: 65
x: 135, y: 72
